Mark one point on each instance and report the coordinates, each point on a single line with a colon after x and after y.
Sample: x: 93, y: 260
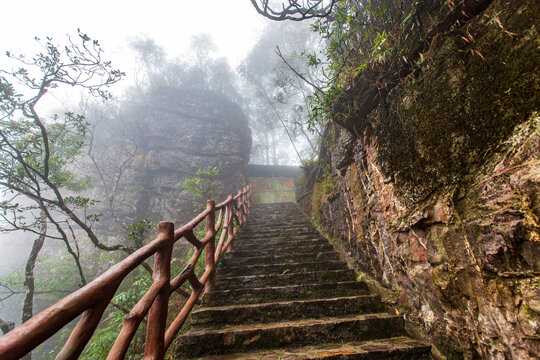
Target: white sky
x: 233, y: 24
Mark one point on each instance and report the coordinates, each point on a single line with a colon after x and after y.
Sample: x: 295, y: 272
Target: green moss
x: 475, y: 85
x: 461, y: 107
x: 528, y: 312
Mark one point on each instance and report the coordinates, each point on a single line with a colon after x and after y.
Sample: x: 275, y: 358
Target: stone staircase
x: 284, y: 294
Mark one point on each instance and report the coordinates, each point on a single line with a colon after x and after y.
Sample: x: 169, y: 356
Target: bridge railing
x: 92, y: 299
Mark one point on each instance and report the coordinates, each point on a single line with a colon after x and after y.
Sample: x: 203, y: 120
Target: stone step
x: 289, y: 219
x: 260, y: 269
x: 290, y: 310
x: 238, y: 338
x: 284, y: 293
x: 263, y: 210
x: 270, y: 232
x: 287, y: 215
x: 275, y: 226
x: 280, y: 250
x: 281, y: 259
x: 394, y: 348
x: 284, y: 278
x: 277, y: 239
x: 279, y: 243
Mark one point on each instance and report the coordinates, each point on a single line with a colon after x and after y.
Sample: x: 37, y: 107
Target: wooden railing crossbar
x: 92, y: 300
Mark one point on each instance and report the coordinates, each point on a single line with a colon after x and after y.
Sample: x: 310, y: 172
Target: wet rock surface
x: 438, y: 198
x: 284, y: 294
x: 186, y: 131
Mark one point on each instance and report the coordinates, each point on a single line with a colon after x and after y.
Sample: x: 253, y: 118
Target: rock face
x: 436, y: 194
x: 186, y: 131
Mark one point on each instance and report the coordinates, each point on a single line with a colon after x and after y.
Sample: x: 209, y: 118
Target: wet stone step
x: 271, y: 229
x: 284, y: 293
x: 277, y: 232
x: 281, y: 243
x: 284, y: 278
x: 281, y: 259
x: 260, y: 269
x: 395, y: 348
x: 237, y: 338
x: 277, y: 239
x: 290, y: 310
x: 281, y: 250
x: 277, y: 223
x: 289, y: 221
x: 276, y: 227
x: 275, y: 217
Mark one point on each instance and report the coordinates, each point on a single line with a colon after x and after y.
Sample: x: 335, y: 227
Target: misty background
x: 211, y: 48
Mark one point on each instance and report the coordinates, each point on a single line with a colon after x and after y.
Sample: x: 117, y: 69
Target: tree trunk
x: 28, y: 305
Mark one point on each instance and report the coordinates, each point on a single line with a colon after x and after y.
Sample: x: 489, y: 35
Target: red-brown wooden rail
x: 92, y: 300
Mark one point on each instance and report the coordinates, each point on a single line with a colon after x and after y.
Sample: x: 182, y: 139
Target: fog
x: 186, y: 69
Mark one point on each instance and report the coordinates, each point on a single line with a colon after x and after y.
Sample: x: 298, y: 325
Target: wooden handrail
x: 92, y: 299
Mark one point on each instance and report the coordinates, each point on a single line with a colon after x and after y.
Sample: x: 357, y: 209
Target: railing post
x: 240, y: 208
x: 210, y: 249
x: 85, y: 329
x: 249, y: 198
x: 157, y: 316
x: 230, y: 223
x: 245, y: 198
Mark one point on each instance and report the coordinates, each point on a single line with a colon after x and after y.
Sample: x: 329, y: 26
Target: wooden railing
x: 92, y: 300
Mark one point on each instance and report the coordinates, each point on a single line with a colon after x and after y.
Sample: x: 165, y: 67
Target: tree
x: 36, y: 152
x: 202, y: 186
x: 201, y: 70
x: 279, y: 107
x: 293, y: 9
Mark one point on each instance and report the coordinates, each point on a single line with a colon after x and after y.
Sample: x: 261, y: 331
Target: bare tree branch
x: 294, y: 10
x: 317, y: 88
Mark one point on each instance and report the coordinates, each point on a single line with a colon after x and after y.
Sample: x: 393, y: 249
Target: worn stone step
x: 279, y: 232
x: 275, y: 226
x: 259, y: 269
x: 286, y: 277
x: 281, y: 250
x: 278, y: 217
x: 394, y: 348
x: 277, y: 239
x: 273, y: 209
x: 280, y: 243
x: 287, y: 217
x: 284, y: 293
x: 290, y: 310
x: 288, y: 220
x: 228, y: 339
x: 281, y: 259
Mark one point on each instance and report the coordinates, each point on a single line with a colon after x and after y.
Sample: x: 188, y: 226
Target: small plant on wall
x: 202, y: 186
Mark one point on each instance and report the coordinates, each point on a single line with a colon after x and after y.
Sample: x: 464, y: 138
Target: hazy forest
x: 414, y: 122
x: 66, y: 171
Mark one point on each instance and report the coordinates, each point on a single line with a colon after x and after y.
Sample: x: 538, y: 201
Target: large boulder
x: 188, y: 130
